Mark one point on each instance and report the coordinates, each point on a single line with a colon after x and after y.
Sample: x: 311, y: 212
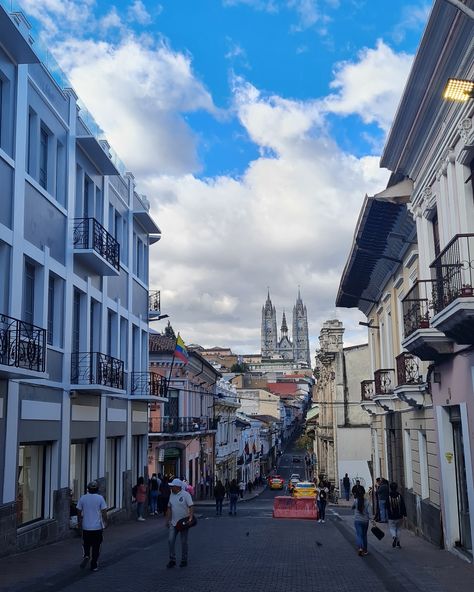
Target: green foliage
x: 241, y: 368
x: 304, y: 442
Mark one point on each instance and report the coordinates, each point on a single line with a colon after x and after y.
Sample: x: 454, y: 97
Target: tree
x: 304, y: 442
x: 239, y: 368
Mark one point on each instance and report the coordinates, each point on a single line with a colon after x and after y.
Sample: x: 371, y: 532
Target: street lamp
x: 458, y: 90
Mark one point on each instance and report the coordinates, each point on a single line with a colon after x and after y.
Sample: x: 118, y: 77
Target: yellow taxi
x: 304, y: 489
x: 276, y: 482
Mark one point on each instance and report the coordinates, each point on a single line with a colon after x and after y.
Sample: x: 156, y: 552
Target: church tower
x: 301, y: 351
x: 285, y: 348
x: 269, y: 329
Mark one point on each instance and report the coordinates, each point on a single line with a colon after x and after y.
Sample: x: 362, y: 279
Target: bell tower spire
x: 269, y: 329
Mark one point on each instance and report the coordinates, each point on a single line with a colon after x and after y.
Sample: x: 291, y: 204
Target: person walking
x: 234, y: 496
x: 140, y: 496
x: 346, y: 484
x: 396, y: 511
x: 241, y: 489
x: 227, y: 488
x: 219, y: 495
x: 180, y: 506
x: 383, y: 494
x: 321, y: 501
x: 358, y: 489
x: 92, y: 519
x: 361, y: 522
x: 153, y: 491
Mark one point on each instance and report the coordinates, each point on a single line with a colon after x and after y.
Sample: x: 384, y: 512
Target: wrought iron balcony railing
x: 148, y: 383
x: 154, y: 302
x: 408, y: 369
x: 453, y: 271
x: 95, y: 368
x: 418, y: 306
x: 181, y: 425
x: 384, y: 382
x: 22, y: 345
x: 366, y: 390
x: 90, y: 234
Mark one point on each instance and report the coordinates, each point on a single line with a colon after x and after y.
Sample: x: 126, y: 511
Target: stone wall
x: 423, y: 518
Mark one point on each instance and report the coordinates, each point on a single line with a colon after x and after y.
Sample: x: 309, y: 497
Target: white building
x: 227, y: 443
x: 74, y: 240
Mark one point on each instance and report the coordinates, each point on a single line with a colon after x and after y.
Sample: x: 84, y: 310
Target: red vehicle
x: 276, y: 482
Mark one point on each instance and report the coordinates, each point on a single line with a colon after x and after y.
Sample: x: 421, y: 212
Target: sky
x: 255, y: 129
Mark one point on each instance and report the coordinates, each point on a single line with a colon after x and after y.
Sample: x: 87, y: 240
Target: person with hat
x: 92, y: 518
x: 180, y: 510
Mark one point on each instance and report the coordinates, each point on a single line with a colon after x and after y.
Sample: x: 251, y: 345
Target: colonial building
x: 341, y: 428
x: 74, y: 245
x: 284, y: 349
x: 227, y: 443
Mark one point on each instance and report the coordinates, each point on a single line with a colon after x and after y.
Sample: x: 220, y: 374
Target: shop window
x: 79, y: 469
x: 112, y: 457
x: 31, y: 483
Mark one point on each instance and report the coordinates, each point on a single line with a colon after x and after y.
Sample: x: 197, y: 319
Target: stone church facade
x: 283, y: 348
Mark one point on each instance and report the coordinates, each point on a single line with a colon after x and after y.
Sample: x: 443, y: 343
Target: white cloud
x: 111, y: 20
x: 414, y: 18
x: 53, y: 14
x: 138, y: 13
x: 371, y: 86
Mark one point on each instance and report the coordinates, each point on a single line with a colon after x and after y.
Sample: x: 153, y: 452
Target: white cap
x: 176, y: 483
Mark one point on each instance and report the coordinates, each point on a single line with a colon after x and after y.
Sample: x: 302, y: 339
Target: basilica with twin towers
x: 295, y: 349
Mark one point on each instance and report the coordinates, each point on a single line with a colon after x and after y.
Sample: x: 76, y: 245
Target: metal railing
x: 22, y: 345
x: 453, y: 269
x: 418, y: 306
x: 384, y: 381
x: 408, y: 369
x: 95, y: 368
x: 90, y: 234
x: 181, y: 425
x: 367, y: 390
x: 148, y: 383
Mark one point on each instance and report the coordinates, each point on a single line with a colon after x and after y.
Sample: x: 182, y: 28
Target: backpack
x: 134, y: 491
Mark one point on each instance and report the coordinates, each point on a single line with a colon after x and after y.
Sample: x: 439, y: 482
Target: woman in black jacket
x: 396, y: 511
x: 219, y: 494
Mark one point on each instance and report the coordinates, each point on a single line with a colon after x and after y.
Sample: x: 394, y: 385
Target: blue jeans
x: 322, y: 509
x: 361, y: 528
x: 219, y: 501
x: 233, y: 503
x: 347, y: 493
x: 383, y: 510
x: 140, y: 506
x: 153, y: 501
x: 172, y: 534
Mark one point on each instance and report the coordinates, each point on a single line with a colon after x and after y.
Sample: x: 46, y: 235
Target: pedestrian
x: 375, y: 499
x: 241, y: 489
x: 396, y: 511
x: 358, y: 489
x: 383, y: 494
x: 140, y: 496
x: 153, y: 491
x: 92, y: 519
x: 180, y: 506
x: 250, y: 486
x: 321, y: 501
x: 346, y: 484
x: 234, y: 496
x: 219, y: 494
x: 361, y: 522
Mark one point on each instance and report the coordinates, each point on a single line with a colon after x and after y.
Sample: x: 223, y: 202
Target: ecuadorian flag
x: 180, y: 351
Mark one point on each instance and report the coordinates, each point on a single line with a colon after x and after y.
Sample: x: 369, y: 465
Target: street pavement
x: 247, y: 552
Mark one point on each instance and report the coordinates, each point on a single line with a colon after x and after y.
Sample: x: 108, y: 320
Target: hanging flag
x: 180, y: 351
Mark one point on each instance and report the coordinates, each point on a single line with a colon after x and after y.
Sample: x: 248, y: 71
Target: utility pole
x: 462, y: 7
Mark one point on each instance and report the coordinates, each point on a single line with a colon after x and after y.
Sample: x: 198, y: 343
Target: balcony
x: 95, y: 247
x: 180, y: 426
x: 96, y: 372
x: 453, y: 284
x: 22, y: 349
x: 154, y: 305
x: 384, y: 384
x: 411, y: 388
x: 422, y: 339
x: 148, y: 386
x: 366, y: 396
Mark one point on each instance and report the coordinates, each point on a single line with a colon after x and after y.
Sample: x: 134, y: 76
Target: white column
x: 468, y: 462
x: 11, y: 442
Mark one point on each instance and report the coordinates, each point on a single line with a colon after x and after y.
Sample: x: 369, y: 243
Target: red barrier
x: 290, y: 507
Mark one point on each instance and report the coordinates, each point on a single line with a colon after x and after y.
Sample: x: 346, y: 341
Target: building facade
x: 74, y: 244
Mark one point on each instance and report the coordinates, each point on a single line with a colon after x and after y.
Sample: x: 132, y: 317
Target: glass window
x: 60, y: 173
x: 111, y: 470
x: 50, y: 310
x: 29, y: 293
x: 76, y: 321
x: 78, y: 469
x: 43, y: 160
x: 31, y: 483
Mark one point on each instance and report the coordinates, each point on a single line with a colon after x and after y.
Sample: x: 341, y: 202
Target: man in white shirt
x: 92, y: 518
x: 180, y: 506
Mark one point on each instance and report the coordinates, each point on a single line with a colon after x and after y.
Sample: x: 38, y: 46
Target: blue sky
x: 255, y: 129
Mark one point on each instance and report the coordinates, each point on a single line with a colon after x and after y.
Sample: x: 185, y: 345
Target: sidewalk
x: 418, y: 565
x: 247, y: 496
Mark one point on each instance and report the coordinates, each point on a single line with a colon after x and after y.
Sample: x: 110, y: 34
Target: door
x: 465, y: 539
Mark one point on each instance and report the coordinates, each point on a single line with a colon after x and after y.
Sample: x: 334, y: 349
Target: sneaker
x: 94, y: 568
x: 84, y: 562
x: 394, y: 542
x: 365, y: 553
x: 171, y: 563
x: 140, y: 519
x: 322, y: 521
x: 319, y: 520
x: 183, y: 564
x: 360, y: 552
x: 398, y: 544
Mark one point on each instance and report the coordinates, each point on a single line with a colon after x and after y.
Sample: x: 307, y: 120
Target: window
x: 31, y: 483
x: 76, y: 322
x: 435, y: 227
x: 423, y: 451
x: 43, y: 158
x: 124, y: 341
x: 50, y: 310
x: 32, y: 138
x: 111, y: 333
x: 124, y: 244
x: 408, y: 459
x: 60, y: 173
x: 79, y: 468
x: 29, y: 293
x: 112, y: 455
x: 94, y: 344
x: 86, y: 197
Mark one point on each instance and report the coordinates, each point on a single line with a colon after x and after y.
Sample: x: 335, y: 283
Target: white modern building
x: 74, y: 304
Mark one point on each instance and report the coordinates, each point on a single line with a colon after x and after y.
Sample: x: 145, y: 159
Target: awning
x: 398, y: 193
x: 96, y: 154
x: 14, y: 42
